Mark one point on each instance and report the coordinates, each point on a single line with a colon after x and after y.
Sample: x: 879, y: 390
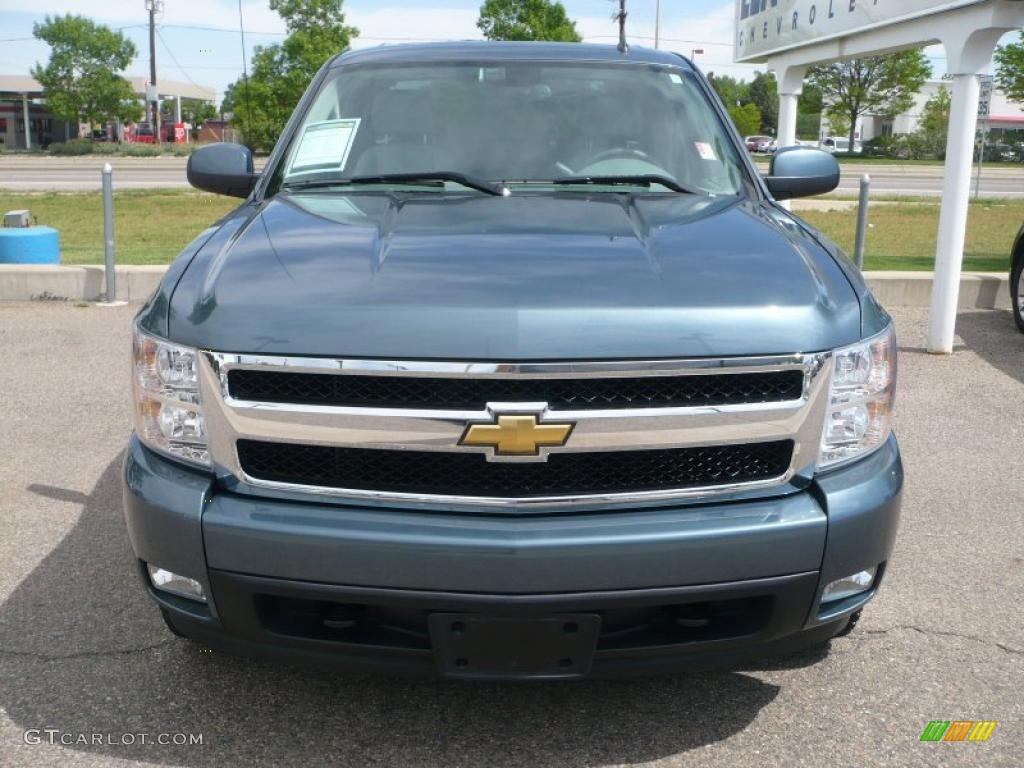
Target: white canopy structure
x: 789, y: 36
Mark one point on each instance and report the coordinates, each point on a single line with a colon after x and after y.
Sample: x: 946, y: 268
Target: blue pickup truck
x: 510, y: 365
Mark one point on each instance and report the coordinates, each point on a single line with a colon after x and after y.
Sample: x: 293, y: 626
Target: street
x: 83, y: 651
x: 83, y: 173
x: 926, y: 180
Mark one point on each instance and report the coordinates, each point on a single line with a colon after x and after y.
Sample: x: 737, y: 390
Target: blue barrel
x: 29, y: 245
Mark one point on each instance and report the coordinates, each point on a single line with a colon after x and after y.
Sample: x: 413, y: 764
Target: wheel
x: 851, y: 624
x: 1017, y: 288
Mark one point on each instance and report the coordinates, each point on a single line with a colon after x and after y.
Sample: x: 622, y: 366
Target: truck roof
x: 474, y: 50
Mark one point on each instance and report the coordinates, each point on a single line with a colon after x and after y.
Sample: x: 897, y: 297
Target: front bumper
x: 343, y: 585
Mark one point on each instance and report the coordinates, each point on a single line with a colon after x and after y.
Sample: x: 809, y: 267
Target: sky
x: 198, y: 40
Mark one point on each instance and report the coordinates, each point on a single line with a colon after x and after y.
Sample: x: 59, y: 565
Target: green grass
x: 903, y: 235
x: 870, y: 160
x: 151, y: 227
x: 844, y: 159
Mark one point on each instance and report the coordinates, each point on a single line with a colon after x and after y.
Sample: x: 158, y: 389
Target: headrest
x: 402, y: 112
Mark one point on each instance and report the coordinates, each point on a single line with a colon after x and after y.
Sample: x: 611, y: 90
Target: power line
x: 371, y: 38
x: 245, y: 73
x: 221, y: 29
x: 33, y: 37
x: 175, y: 59
x: 208, y: 67
x: 648, y: 37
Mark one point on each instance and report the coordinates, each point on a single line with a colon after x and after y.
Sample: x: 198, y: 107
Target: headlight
x: 168, y: 406
x: 861, y: 400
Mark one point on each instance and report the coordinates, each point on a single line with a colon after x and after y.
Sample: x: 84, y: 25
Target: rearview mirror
x: 801, y: 172
x: 224, y: 169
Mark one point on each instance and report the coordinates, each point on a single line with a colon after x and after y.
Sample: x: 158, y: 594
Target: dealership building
x: 25, y: 121
x: 1005, y: 121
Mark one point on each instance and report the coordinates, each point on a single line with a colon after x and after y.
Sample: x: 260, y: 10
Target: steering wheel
x: 618, y: 153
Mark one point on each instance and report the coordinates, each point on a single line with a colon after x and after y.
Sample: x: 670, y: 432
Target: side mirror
x: 801, y: 172
x: 224, y: 169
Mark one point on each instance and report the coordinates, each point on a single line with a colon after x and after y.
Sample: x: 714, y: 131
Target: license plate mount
x: 477, y: 646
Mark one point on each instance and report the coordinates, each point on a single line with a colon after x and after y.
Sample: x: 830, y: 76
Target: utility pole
x: 621, y: 18
x: 152, y: 96
x: 657, y: 23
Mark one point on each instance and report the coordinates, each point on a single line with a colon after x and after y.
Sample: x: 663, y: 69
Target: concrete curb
x: 32, y: 282
x: 978, y: 290
x: 46, y: 282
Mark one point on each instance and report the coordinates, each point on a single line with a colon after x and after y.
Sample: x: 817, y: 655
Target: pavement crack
x: 942, y: 633
x: 85, y: 654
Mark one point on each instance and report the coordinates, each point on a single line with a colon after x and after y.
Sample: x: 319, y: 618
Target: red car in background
x: 761, y: 144
x: 143, y: 133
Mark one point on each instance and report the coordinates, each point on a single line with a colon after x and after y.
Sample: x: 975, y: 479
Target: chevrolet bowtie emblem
x: 516, y: 435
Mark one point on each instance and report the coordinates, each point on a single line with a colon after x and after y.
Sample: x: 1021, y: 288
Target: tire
x: 851, y: 624
x: 1017, y: 288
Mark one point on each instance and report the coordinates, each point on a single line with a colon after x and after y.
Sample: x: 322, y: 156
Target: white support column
x: 24, y: 114
x: 968, y: 54
x: 177, y: 109
x: 956, y: 191
x: 788, y: 103
x: 790, y: 80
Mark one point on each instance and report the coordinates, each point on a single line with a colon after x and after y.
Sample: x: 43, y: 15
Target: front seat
x: 403, y: 124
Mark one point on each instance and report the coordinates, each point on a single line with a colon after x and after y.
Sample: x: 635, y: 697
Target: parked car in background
x: 143, y: 133
x: 761, y: 144
x: 1017, y: 279
x: 1002, y: 153
x: 511, y: 366
x: 838, y: 144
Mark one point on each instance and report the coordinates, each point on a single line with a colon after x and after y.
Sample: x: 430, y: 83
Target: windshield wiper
x: 427, y: 177
x: 641, y: 180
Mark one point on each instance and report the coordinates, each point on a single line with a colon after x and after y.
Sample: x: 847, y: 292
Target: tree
x: 731, y: 91
x: 884, y: 85
x: 935, y: 117
x: 80, y: 81
x: 811, y: 101
x: 808, y: 117
x: 747, y: 119
x: 193, y: 111
x: 764, y: 93
x: 527, y: 20
x: 1010, y: 69
x: 281, y: 72
x: 231, y: 97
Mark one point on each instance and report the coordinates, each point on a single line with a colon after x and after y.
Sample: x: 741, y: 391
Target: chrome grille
x: 467, y: 474
x: 473, y: 394
x: 703, y: 428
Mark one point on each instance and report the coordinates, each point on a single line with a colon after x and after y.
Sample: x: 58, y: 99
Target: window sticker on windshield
x: 704, y: 150
x: 324, y: 146
x: 677, y: 79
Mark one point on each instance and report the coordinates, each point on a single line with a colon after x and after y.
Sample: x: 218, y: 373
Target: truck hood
x: 526, y: 277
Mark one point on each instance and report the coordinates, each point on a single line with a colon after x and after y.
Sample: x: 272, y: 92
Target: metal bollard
x: 862, y: 221
x: 108, y: 240
x: 108, y: 232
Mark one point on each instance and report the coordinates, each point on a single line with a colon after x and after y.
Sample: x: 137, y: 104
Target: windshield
x: 538, y: 122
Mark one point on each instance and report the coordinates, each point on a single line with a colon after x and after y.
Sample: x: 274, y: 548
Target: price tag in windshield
x: 324, y: 146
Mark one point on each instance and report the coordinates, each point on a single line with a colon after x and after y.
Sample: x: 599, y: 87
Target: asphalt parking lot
x: 83, y: 652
